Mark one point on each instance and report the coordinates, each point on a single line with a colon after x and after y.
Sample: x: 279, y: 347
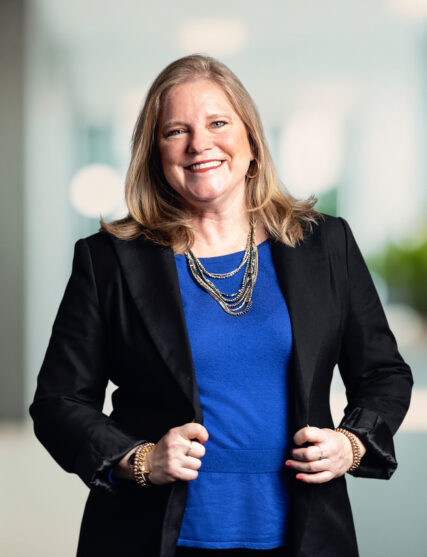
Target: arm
x: 378, y: 382
x: 67, y: 406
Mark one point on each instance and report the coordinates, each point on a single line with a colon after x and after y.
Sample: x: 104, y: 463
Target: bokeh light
x: 96, y: 189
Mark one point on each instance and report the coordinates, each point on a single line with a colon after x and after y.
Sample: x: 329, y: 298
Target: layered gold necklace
x: 239, y: 302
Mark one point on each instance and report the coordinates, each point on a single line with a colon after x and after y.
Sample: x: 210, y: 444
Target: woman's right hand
x: 168, y: 461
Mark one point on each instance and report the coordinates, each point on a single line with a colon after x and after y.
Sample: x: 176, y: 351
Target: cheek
x: 173, y: 173
x: 167, y: 159
x: 239, y: 147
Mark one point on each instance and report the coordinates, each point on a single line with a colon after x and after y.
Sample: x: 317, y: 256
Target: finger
x: 319, y: 478
x: 197, y: 450
x: 194, y: 430
x: 309, y: 434
x: 187, y: 475
x: 309, y: 467
x: 313, y: 452
x: 192, y: 463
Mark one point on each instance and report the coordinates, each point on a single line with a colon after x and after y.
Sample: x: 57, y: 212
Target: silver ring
x: 189, y: 449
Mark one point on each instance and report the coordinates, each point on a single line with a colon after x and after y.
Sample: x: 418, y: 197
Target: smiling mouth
x: 204, y: 166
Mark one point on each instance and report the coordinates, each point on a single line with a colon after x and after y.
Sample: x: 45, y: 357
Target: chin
x: 201, y: 201
x: 205, y: 195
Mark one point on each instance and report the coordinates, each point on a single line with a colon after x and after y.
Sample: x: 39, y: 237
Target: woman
x: 219, y: 307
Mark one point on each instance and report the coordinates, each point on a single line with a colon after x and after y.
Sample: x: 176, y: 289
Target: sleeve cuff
x: 379, y: 460
x: 95, y: 471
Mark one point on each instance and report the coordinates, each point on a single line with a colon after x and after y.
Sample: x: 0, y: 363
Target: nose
x: 199, y: 140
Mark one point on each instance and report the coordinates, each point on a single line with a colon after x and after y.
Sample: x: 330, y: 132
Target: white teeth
x: 210, y: 164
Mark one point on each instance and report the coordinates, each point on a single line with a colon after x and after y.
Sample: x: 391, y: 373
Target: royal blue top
x: 240, y: 497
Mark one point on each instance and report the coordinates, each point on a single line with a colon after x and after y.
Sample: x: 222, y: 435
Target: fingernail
x: 298, y: 477
x: 287, y: 463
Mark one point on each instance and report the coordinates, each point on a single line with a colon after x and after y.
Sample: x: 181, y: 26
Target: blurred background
x: 342, y: 90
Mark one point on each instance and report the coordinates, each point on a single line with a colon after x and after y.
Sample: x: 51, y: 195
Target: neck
x: 221, y: 234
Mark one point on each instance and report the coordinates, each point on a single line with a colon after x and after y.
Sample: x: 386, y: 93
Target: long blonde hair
x: 155, y: 211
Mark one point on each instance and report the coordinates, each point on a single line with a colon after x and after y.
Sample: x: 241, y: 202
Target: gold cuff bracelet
x: 354, y: 446
x: 140, y: 473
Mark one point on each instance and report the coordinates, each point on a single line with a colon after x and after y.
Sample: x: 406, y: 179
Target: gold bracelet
x: 140, y: 473
x: 354, y: 446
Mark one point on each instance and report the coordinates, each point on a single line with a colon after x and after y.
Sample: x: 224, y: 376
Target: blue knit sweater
x: 239, y: 498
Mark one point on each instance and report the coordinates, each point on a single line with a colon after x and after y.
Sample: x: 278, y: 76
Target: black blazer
x: 121, y: 318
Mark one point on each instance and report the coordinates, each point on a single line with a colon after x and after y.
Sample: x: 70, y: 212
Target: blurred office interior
x: 342, y: 91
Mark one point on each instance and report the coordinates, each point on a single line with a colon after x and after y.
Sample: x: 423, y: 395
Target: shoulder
x: 334, y: 230
x: 329, y: 224
x: 328, y: 232
x: 99, y: 245
x: 103, y: 243
x: 108, y: 252
x: 101, y: 248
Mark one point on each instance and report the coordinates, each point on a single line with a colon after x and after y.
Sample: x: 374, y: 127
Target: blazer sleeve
x: 378, y: 382
x: 70, y: 393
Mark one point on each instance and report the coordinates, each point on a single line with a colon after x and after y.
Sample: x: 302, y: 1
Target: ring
x: 321, y: 457
x: 189, y: 449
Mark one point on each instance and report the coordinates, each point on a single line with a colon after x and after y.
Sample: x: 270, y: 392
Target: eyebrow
x: 181, y: 123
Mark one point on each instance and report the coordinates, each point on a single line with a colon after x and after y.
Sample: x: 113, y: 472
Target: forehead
x: 198, y: 94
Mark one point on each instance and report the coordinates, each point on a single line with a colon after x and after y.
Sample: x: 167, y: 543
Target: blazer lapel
x: 304, y: 276
x: 151, y: 275
x: 303, y: 285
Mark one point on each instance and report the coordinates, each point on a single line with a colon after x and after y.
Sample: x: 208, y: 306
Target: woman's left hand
x: 329, y: 456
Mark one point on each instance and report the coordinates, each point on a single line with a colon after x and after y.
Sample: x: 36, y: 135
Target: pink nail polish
x: 298, y: 477
x: 287, y: 463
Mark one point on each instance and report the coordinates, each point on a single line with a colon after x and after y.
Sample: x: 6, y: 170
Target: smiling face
x: 203, y: 145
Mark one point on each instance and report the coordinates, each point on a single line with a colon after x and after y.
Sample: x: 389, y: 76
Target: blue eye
x: 172, y: 132
x: 219, y: 122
